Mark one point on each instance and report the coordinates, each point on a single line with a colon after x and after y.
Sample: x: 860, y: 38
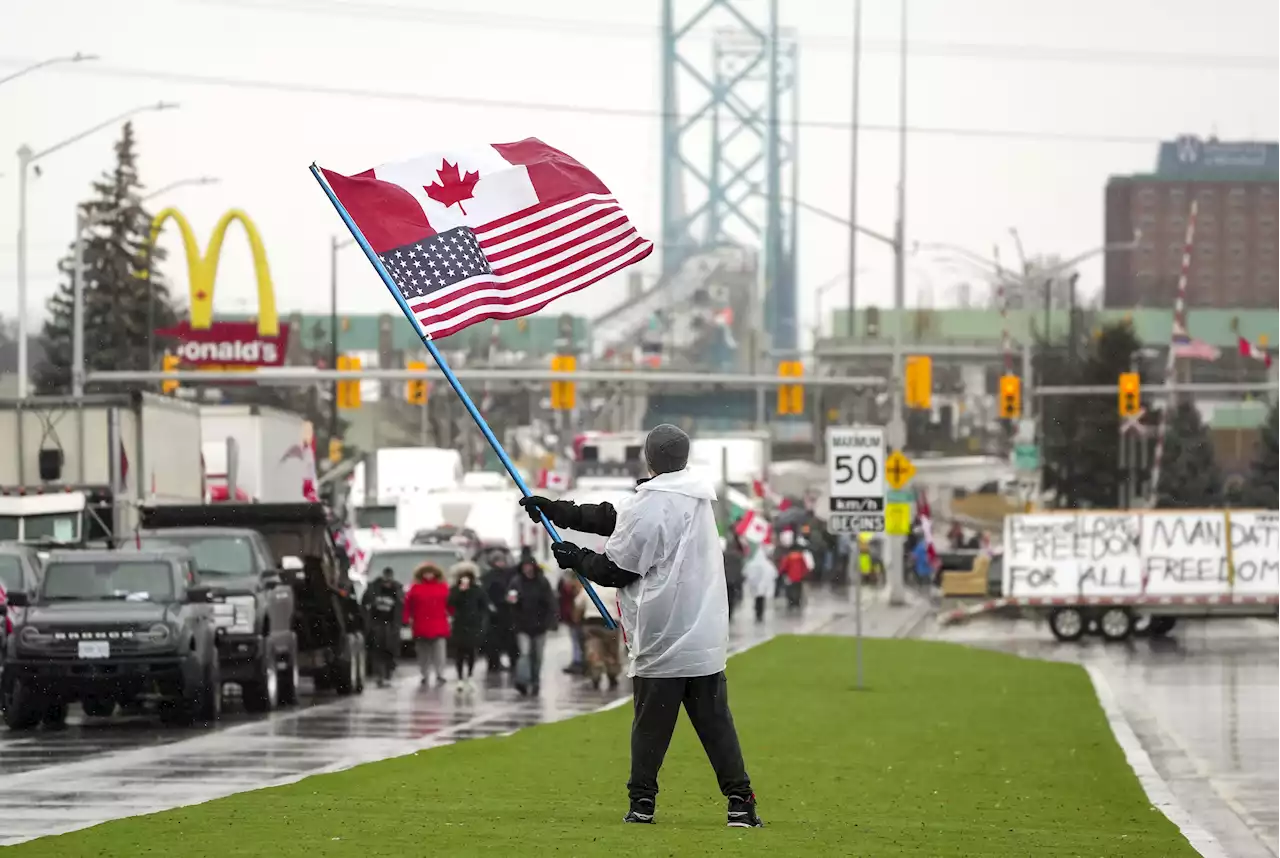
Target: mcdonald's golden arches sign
x: 202, y: 341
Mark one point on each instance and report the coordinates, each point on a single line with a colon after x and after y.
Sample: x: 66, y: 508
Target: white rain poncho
x: 761, y: 574
x: 676, y: 617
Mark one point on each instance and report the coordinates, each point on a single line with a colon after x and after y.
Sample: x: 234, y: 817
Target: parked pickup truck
x: 107, y: 628
x: 254, y: 609
x: 327, y: 624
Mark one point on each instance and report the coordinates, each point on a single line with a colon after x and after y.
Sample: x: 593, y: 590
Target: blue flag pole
x: 453, y: 380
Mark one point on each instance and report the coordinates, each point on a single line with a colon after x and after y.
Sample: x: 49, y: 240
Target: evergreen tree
x: 120, y: 300
x: 1190, y: 477
x: 1260, y: 489
x: 1081, y: 450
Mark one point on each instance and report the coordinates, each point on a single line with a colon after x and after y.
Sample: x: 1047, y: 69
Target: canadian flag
x: 761, y: 490
x: 309, y: 477
x: 754, y: 527
x: 556, y: 481
x: 1249, y: 350
x: 926, y: 527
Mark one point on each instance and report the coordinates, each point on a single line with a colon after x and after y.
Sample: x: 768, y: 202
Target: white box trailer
x: 1136, y: 570
x: 268, y: 463
x: 73, y: 470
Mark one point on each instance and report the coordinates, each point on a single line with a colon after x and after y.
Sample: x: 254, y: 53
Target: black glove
x: 534, y: 505
x: 567, y: 555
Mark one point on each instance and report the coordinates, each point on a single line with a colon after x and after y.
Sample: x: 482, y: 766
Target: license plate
x: 95, y: 649
x: 406, y: 634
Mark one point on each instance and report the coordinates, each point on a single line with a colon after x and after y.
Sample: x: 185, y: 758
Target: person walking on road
x: 663, y: 555
x: 567, y: 590
x: 384, y: 603
x: 470, y: 610
x: 733, y: 560
x: 500, y: 639
x: 426, y: 611
x: 533, y: 612
x: 794, y: 567
x: 760, y: 574
x: 602, y: 644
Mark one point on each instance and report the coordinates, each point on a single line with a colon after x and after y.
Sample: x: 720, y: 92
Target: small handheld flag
x: 493, y: 233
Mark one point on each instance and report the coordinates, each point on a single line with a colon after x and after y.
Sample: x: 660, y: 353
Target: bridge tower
x: 729, y: 143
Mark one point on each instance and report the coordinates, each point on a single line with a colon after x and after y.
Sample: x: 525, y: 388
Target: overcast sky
x: 1042, y: 101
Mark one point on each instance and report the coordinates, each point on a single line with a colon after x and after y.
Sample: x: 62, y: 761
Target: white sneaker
x: 462, y: 686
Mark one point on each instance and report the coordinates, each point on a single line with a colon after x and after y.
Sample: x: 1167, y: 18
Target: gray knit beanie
x: 666, y: 449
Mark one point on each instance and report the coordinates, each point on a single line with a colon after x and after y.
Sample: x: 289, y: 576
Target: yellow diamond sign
x: 898, y: 470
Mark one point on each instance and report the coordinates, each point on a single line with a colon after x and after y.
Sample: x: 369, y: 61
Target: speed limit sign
x: 855, y: 464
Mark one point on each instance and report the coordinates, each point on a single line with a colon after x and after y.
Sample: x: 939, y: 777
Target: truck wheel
x: 22, y: 710
x: 1161, y: 626
x: 209, y: 699
x: 1067, y: 624
x: 288, y: 678
x: 263, y: 693
x: 96, y: 707
x: 1116, y: 624
x: 346, y: 670
x: 54, y: 715
x: 201, y: 704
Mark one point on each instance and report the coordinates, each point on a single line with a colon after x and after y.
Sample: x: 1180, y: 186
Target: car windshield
x: 381, y: 517
x: 402, y: 563
x: 11, y: 573
x: 57, y: 526
x: 145, y: 580
x: 216, y: 555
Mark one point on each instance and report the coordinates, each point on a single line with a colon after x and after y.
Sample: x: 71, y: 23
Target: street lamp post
x: 77, y: 57
x: 335, y: 244
x: 84, y: 222
x: 26, y: 158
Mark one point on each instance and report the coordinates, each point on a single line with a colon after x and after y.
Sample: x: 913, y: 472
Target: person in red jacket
x: 794, y: 567
x: 426, y: 612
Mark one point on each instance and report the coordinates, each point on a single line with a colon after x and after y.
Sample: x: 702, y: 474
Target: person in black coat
x: 384, y: 602
x: 500, y: 638
x: 470, y: 609
x: 533, y: 614
x: 734, y: 560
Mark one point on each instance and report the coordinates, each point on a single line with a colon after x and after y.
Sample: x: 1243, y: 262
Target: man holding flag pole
x: 498, y: 232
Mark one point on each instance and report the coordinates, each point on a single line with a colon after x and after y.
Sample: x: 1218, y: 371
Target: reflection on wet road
x: 1205, y: 705
x: 96, y: 770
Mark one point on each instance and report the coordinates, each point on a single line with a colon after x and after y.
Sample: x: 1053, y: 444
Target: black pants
x: 381, y: 646
x: 657, y: 705
x: 464, y: 658
x: 760, y: 603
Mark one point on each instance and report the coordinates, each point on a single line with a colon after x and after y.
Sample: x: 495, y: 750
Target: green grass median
x: 949, y: 751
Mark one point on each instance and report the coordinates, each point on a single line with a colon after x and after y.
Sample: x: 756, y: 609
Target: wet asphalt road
x: 94, y: 770
x: 1203, y: 702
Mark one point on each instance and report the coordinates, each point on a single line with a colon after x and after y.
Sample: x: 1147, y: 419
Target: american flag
x: 493, y: 233
x: 1188, y: 348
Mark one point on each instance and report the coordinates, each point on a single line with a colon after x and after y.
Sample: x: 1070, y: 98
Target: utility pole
x: 853, y: 170
x: 333, y: 334
x: 897, y: 430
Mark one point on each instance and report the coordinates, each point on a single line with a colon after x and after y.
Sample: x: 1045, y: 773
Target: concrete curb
x: 1157, y: 790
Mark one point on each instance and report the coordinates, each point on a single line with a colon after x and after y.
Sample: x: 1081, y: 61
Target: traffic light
x: 1010, y: 397
x: 791, y: 396
x: 348, y: 391
x: 335, y: 450
x: 1130, y: 389
x: 918, y: 386
x: 416, y: 390
x: 563, y: 393
x: 171, y: 362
